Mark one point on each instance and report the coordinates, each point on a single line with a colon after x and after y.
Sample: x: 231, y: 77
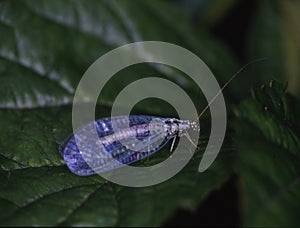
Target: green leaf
x: 37, y: 189
x: 268, y: 144
x: 53, y: 45
x: 45, y: 48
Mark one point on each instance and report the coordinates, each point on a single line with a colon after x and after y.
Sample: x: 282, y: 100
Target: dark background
x: 221, y: 207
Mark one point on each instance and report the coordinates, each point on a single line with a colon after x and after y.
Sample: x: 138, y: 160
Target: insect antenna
x: 227, y: 83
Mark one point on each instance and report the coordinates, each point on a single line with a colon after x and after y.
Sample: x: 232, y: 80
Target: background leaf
x: 268, y: 143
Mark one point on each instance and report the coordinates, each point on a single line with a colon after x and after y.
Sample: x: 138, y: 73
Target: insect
x: 145, y: 135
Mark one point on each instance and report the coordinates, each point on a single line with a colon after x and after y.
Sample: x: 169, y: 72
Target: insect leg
x: 189, y: 138
x: 173, y: 143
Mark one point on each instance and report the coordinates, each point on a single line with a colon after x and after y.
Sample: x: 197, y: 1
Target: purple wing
x: 111, y: 154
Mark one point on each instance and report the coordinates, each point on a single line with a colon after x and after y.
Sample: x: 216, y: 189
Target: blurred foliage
x: 275, y: 35
x: 46, y: 46
x: 207, y: 12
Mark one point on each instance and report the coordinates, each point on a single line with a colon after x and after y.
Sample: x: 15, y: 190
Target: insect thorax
x: 175, y: 127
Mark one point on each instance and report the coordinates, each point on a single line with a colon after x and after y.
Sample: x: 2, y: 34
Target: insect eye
x: 195, y: 126
x: 174, y: 128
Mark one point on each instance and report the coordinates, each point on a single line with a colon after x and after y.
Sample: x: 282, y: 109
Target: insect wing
x: 126, y: 144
